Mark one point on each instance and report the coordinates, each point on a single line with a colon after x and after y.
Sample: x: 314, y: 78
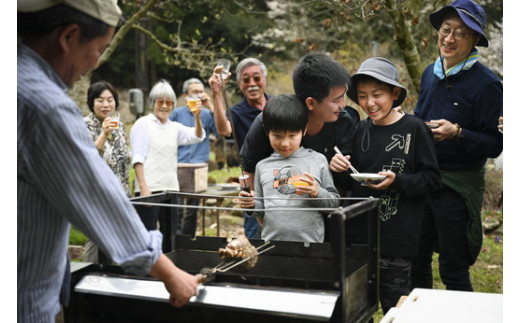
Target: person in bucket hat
x: 61, y: 178
x: 399, y: 147
x: 380, y: 69
x: 462, y: 98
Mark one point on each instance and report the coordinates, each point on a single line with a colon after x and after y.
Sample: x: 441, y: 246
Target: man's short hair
x: 41, y: 23
x: 316, y: 74
x: 250, y: 61
x: 187, y: 83
x: 285, y: 112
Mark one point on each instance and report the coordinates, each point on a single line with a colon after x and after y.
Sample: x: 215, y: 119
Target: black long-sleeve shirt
x: 406, y: 148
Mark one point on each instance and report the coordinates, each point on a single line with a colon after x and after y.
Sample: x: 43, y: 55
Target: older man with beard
x: 252, y: 80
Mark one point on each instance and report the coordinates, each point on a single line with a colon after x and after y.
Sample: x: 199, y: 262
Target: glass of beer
x: 114, y: 118
x: 194, y: 103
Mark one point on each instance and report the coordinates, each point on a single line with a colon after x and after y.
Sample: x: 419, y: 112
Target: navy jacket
x: 473, y: 99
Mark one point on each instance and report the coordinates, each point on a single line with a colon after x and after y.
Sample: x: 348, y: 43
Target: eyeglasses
x: 161, y: 102
x: 457, y: 33
x: 255, y: 78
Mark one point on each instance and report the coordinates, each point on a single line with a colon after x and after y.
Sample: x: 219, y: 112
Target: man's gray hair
x: 246, y: 62
x: 187, y: 83
x: 162, y: 89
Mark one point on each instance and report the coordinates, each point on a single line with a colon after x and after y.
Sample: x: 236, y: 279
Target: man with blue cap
x: 61, y: 177
x: 462, y: 99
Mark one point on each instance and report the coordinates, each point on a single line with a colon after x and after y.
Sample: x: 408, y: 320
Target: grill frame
x: 342, y: 265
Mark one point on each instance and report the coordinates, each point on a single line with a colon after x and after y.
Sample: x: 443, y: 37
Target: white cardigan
x: 154, y: 144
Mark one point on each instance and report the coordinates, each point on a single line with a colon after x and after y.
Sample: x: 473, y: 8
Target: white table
x: 435, y: 305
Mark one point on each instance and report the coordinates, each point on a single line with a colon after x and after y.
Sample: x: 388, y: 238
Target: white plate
x: 364, y: 177
x: 229, y: 186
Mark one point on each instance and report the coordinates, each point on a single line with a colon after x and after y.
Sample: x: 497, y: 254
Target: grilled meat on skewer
x: 239, y: 249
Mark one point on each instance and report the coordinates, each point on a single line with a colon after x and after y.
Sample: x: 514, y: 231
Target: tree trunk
x: 405, y: 41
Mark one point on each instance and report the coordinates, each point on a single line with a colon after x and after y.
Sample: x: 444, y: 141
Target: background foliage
x: 177, y: 40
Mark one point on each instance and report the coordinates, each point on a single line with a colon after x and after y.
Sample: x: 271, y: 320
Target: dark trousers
x: 167, y: 217
x: 444, y: 230
x: 394, y: 281
x: 189, y: 223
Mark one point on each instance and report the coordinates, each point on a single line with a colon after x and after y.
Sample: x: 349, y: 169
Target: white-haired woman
x: 154, y: 140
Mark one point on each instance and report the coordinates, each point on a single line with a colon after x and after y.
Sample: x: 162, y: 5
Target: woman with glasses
x: 462, y: 101
x: 154, y: 140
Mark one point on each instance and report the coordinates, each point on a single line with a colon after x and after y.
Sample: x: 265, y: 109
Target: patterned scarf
x: 464, y: 65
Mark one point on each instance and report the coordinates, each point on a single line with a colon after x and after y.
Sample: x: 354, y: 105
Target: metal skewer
x: 336, y: 149
x: 207, y: 274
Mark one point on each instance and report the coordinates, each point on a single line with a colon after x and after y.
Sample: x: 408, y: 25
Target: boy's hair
x: 316, y: 74
x: 285, y: 113
x: 362, y: 79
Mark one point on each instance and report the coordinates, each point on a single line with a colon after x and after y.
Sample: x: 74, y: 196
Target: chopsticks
x: 354, y: 170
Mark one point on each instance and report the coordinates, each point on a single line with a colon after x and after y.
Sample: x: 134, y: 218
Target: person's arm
x: 219, y: 109
x: 109, y: 210
x: 198, y: 125
x: 326, y: 187
x: 139, y: 143
x: 181, y: 285
x: 106, y: 127
x: 256, y: 146
x: 206, y: 102
x: 190, y: 135
x: 139, y: 174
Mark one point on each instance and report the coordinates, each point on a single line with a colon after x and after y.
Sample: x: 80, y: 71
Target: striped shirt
x: 62, y: 180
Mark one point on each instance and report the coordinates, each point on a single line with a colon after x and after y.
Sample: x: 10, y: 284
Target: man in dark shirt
x: 320, y: 83
x: 252, y: 80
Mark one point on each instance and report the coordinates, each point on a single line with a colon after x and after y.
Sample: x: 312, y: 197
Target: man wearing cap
x: 463, y: 99
x: 61, y: 177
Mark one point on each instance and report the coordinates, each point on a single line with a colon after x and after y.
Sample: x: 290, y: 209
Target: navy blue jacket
x: 473, y: 99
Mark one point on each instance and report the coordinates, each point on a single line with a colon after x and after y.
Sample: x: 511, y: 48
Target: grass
x: 76, y: 237
x: 221, y: 175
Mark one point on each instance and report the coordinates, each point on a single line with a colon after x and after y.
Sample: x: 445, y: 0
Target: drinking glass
x: 225, y: 64
x: 114, y: 117
x: 193, y: 103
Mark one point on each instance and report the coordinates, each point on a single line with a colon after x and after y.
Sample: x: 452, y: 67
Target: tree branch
x: 120, y: 34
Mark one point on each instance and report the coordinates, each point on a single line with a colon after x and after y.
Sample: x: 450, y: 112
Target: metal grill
x: 335, y: 281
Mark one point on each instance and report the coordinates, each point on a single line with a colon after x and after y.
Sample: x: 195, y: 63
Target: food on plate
x: 239, y: 249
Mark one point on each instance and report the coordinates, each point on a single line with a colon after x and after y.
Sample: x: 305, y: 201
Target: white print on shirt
x: 390, y: 198
x: 400, y: 142
x: 285, y: 178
